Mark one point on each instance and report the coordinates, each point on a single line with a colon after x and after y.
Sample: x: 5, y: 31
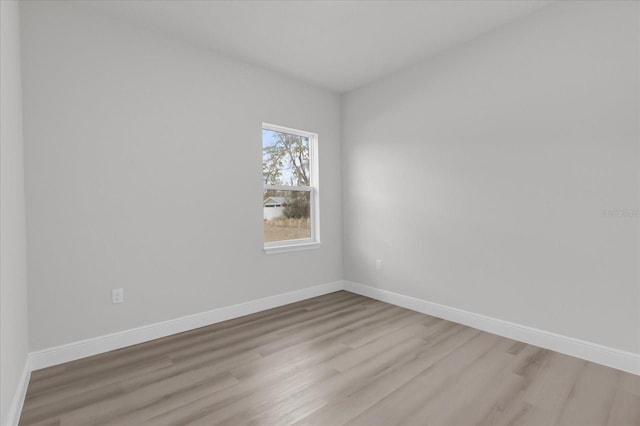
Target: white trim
x: 84, y: 348
x: 289, y: 130
x: 15, y: 409
x: 288, y: 248
x: 314, y: 177
x: 611, y: 357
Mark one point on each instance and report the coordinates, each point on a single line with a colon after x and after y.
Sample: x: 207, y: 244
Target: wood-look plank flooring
x: 333, y: 360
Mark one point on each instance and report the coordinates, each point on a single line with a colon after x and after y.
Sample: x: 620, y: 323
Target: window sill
x: 288, y: 248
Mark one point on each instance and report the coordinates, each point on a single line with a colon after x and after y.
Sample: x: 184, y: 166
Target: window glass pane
x: 286, y: 215
x: 285, y: 159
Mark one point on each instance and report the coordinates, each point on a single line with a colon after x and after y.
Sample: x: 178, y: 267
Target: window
x: 290, y: 197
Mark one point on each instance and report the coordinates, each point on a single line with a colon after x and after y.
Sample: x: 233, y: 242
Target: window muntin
x: 290, y: 195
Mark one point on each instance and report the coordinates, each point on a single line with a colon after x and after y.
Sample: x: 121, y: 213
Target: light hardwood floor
x: 332, y: 360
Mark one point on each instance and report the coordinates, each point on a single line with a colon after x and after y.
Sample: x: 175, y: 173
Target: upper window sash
x: 313, y: 153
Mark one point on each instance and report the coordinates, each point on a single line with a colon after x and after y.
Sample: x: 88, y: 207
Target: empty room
x: 320, y: 212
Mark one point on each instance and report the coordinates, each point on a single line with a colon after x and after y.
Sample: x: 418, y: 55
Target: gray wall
x: 13, y: 262
x: 143, y: 171
x: 480, y: 176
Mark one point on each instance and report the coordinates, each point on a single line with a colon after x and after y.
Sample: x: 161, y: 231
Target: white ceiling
x: 339, y: 45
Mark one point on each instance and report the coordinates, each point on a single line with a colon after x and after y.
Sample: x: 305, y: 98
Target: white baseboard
x: 84, y: 348
x: 615, y: 358
x: 622, y: 360
x: 15, y: 409
x: 611, y: 357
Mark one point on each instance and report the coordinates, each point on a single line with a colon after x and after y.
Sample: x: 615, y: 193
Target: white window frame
x: 275, y: 247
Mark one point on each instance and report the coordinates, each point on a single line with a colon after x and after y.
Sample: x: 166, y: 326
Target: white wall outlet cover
x: 117, y: 295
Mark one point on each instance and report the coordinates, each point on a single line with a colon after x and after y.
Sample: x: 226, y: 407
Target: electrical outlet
x: 117, y: 295
x: 379, y: 264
